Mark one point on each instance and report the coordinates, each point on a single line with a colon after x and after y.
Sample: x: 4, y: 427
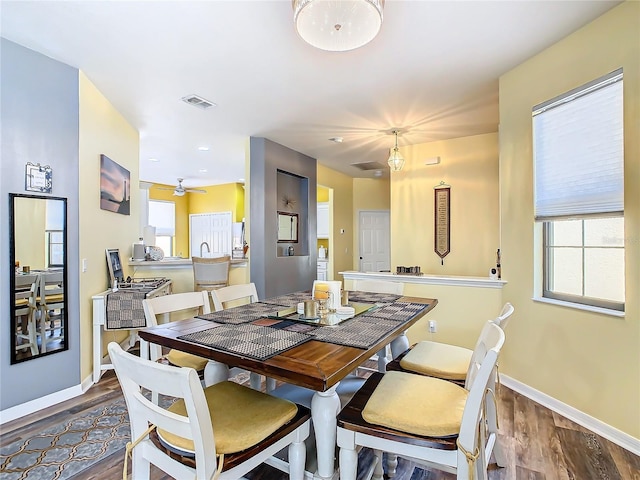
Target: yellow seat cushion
x: 241, y: 417
x: 438, y: 360
x: 183, y: 359
x: 420, y: 405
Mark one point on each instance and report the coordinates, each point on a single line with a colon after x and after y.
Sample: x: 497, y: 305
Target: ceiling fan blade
x: 195, y: 190
x: 165, y: 188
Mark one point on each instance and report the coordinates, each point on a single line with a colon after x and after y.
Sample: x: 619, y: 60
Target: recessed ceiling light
x: 203, y: 148
x: 241, y: 180
x: 203, y: 170
x: 153, y: 159
x: 336, y: 139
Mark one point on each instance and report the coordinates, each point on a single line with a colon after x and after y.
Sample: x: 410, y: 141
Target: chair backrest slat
x: 231, y: 293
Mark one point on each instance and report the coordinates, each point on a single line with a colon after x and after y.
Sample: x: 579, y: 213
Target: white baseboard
x: 47, y: 401
x: 612, y: 434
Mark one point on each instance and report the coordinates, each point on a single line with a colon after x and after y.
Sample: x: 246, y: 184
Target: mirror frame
x: 289, y: 217
x: 12, y: 280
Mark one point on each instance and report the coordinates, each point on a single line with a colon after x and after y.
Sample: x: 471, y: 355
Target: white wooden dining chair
x: 429, y: 421
x: 51, y: 293
x: 182, y: 305
x: 235, y: 295
x: 225, y: 428
x: 443, y: 360
x: 26, y: 309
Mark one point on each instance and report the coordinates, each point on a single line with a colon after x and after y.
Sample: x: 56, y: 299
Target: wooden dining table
x: 315, y: 364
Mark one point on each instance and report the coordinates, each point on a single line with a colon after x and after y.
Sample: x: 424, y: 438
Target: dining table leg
x: 215, y: 372
x: 325, y: 407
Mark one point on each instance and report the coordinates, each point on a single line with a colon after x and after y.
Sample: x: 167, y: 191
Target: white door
x: 375, y: 251
x: 212, y: 228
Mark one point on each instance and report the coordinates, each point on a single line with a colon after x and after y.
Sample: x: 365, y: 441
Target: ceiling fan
x: 179, y: 190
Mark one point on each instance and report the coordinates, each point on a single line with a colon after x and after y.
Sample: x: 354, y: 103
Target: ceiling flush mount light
x: 396, y: 161
x: 337, y: 25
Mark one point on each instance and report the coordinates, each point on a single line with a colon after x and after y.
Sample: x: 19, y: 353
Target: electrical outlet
x: 433, y: 326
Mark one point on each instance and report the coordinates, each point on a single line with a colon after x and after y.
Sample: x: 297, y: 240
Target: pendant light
x: 396, y: 160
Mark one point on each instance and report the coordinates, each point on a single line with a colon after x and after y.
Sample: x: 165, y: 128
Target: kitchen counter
x: 178, y: 262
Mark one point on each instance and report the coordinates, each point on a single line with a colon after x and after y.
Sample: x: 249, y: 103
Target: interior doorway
x: 374, y: 243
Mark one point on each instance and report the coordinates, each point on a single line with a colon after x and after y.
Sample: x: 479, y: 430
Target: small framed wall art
x: 38, y: 178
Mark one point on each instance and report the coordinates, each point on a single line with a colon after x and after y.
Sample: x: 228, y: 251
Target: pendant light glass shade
x: 337, y: 25
x: 396, y: 160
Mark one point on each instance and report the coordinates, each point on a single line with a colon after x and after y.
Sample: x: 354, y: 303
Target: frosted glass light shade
x: 336, y: 25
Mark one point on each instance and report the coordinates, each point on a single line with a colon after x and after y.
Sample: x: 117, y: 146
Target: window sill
x: 578, y: 306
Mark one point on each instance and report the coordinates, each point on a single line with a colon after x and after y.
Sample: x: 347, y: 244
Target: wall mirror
x: 287, y: 227
x: 38, y: 250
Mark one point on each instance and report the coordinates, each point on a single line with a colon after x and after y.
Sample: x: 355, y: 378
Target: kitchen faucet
x: 208, y: 249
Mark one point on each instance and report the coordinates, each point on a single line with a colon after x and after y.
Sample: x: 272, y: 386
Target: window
x: 162, y: 215
x: 55, y: 248
x: 579, y: 178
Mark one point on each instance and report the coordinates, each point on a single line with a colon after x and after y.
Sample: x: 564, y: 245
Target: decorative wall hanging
x: 442, y: 220
x: 115, y: 187
x: 38, y: 178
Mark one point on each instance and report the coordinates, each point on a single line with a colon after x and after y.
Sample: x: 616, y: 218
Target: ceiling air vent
x: 197, y: 101
x: 368, y: 166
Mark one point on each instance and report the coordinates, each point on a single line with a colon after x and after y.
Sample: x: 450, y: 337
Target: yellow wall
x: 340, y: 244
x: 30, y: 249
x: 470, y: 166
x: 586, y: 360
x: 102, y: 131
x: 219, y: 198
x: 322, y: 194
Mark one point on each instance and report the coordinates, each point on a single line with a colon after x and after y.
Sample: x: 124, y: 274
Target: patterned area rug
x: 69, y: 447
x: 73, y: 445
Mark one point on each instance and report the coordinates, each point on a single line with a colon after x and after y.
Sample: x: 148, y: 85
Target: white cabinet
x: 322, y: 270
x: 323, y: 220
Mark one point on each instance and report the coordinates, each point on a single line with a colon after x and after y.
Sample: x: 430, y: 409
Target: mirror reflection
x: 287, y: 227
x: 38, y: 252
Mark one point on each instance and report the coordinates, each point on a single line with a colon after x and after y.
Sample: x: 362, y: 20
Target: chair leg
x: 297, y: 460
x: 255, y: 380
x: 271, y: 384
x: 392, y: 464
x: 348, y: 463
x: 378, y: 471
x: 140, y: 467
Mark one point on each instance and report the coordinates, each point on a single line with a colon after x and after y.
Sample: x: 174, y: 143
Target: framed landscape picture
x: 115, y: 187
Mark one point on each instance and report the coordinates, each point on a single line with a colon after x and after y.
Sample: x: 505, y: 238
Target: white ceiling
x: 432, y: 71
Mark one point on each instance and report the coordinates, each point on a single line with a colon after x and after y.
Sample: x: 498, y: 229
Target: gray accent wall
x: 272, y: 271
x: 39, y: 100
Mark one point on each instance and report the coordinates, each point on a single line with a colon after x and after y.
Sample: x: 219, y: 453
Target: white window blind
x: 578, y: 151
x: 162, y: 215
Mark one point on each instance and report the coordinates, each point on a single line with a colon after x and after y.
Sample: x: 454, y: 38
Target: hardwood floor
x: 540, y: 444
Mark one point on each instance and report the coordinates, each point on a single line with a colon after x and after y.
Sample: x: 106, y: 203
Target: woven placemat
x: 398, y: 311
x: 289, y: 299
x: 371, y: 297
x: 252, y: 341
x: 124, y: 310
x: 359, y: 332
x: 243, y: 313
x: 368, y: 328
